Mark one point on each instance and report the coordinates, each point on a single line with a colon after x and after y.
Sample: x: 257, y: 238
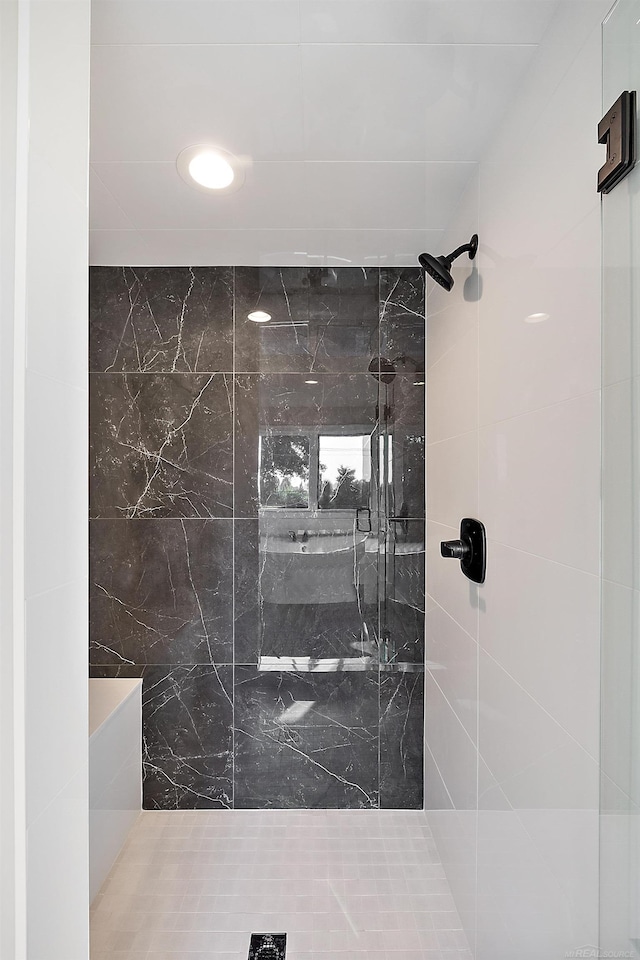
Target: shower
x: 440, y: 267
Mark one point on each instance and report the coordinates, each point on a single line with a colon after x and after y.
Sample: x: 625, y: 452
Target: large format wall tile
x: 533, y: 759
x: 452, y: 749
x: 526, y: 636
x: 161, y: 445
x: 161, y: 591
x: 306, y: 740
x: 153, y: 319
x: 187, y: 745
x: 535, y: 492
x: 401, y: 739
x: 194, y: 579
x: 453, y: 661
x: 322, y: 319
x: 402, y: 326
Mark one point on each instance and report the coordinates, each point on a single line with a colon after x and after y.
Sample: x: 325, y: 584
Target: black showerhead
x: 439, y: 268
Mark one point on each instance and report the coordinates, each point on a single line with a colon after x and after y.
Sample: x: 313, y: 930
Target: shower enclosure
x: 620, y: 658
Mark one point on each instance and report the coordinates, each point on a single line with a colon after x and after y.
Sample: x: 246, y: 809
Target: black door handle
x: 470, y: 549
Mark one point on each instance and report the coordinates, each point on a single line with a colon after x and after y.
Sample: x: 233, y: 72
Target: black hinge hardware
x: 618, y: 130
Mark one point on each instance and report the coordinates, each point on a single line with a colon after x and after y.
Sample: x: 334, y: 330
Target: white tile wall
x: 290, y: 194
x: 556, y: 622
x: 53, y: 226
x: 262, y: 247
x: 539, y: 490
x: 320, y: 21
x: 620, y: 785
x: 528, y: 454
x: 350, y: 102
x: 453, y: 663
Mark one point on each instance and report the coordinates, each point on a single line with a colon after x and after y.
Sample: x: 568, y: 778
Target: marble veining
x: 187, y: 737
x: 161, y: 319
x: 161, y: 445
x: 161, y: 591
x: 241, y: 559
x: 323, y: 319
x: 401, y: 739
x: 402, y: 308
x: 305, y: 728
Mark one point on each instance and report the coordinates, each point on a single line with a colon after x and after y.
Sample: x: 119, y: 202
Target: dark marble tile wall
x: 184, y: 592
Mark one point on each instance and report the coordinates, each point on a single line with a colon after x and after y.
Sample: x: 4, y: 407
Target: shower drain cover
x: 268, y: 946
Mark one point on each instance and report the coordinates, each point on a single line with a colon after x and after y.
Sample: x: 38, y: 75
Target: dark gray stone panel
x: 161, y: 591
x: 322, y: 319
x: 402, y: 317
x: 306, y: 740
x: 401, y: 740
x: 161, y: 445
x: 187, y: 718
x: 161, y: 319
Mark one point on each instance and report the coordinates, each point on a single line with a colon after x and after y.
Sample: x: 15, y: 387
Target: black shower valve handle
x: 470, y: 549
x: 456, y: 549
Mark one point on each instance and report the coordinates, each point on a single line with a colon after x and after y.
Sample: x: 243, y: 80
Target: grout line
x: 113, y: 197
x: 477, y: 752
x: 453, y: 711
x: 531, y: 45
x: 307, y: 231
x: 539, y: 705
x: 453, y: 620
x: 233, y: 541
x: 306, y: 161
x: 547, y: 406
x: 526, y: 553
x: 444, y: 783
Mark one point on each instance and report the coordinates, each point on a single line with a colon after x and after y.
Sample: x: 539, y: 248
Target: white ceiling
x: 362, y: 119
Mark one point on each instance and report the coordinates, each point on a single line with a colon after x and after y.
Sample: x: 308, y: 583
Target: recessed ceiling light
x: 210, y: 169
x: 536, y: 317
x: 259, y: 316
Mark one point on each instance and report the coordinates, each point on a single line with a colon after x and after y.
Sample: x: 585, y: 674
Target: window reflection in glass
x: 344, y: 471
x: 284, y: 471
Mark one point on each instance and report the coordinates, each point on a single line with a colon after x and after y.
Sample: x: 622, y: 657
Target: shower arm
x: 471, y: 248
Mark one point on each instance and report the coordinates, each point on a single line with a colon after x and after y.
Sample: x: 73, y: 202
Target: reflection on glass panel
x: 386, y: 462
x: 344, y: 471
x: 284, y: 471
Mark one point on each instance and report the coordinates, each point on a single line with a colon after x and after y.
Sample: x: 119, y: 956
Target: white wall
x: 47, y: 311
x: 620, y: 656
x: 10, y: 904
x: 362, y: 120
x: 514, y: 439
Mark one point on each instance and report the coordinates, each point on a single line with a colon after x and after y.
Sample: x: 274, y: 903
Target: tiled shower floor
x: 340, y: 883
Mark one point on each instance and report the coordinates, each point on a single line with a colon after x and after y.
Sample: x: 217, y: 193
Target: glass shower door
x: 620, y: 657
x: 318, y: 483
x: 329, y: 545
x: 401, y: 512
